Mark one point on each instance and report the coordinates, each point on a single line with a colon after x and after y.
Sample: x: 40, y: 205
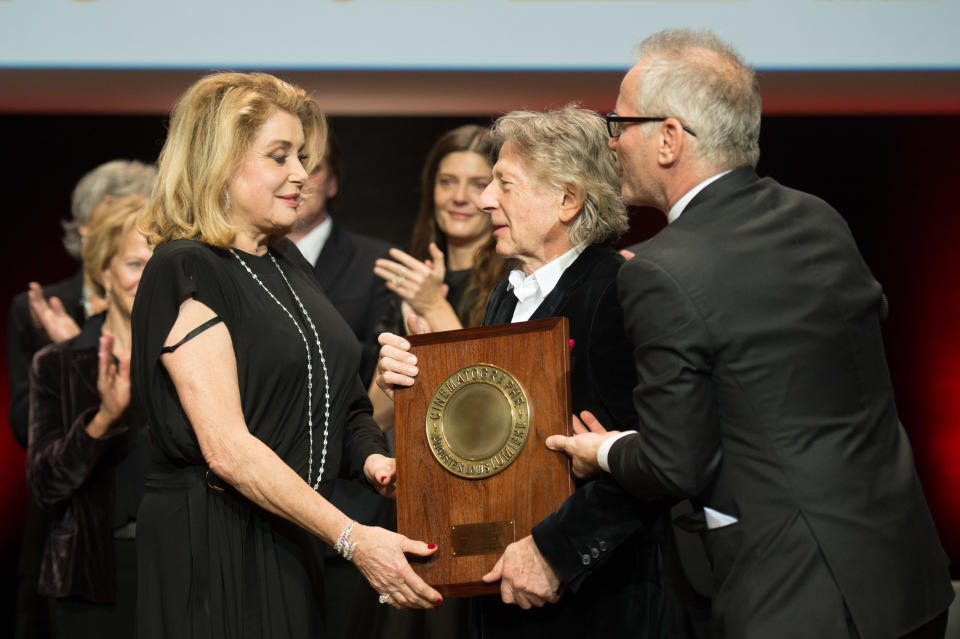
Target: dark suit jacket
x: 763, y: 392
x: 345, y: 272
x: 602, y: 541
x: 24, y: 338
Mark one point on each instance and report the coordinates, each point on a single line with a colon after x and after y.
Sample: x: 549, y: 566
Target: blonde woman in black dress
x: 248, y: 378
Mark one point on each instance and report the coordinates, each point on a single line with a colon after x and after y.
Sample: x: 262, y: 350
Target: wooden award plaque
x: 473, y: 473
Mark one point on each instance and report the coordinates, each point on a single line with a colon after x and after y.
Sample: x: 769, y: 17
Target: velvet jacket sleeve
x: 63, y: 400
x: 600, y: 516
x: 591, y: 525
x: 677, y: 450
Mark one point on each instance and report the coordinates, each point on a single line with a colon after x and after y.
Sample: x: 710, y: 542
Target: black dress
x: 211, y: 563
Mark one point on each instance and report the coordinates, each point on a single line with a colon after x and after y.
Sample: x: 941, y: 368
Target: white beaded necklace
x: 323, y: 364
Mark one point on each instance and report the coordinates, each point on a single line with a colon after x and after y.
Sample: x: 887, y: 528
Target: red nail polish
x: 439, y: 601
x: 431, y: 547
x: 383, y: 479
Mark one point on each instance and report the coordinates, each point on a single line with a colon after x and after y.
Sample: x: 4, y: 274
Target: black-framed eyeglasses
x: 615, y: 123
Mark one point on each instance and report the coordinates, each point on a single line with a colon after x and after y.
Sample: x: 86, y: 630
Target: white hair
x: 568, y: 148
x: 116, y: 178
x: 699, y: 79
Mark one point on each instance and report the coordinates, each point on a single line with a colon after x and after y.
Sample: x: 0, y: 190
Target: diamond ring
x: 383, y: 598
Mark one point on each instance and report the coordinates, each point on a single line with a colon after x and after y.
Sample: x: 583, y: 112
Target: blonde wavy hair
x: 105, y: 235
x: 211, y: 128
x: 567, y: 148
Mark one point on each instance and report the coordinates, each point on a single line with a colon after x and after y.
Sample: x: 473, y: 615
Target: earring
x: 226, y: 195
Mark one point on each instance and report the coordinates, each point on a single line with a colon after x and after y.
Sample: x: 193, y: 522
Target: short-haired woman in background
x: 87, y: 453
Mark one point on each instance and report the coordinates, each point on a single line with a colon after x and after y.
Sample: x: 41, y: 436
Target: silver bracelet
x: 344, y: 546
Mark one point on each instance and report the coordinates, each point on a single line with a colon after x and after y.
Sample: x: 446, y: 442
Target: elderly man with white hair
x: 593, y: 567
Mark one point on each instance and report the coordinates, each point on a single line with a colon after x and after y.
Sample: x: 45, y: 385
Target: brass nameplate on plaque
x: 478, y: 421
x: 482, y: 539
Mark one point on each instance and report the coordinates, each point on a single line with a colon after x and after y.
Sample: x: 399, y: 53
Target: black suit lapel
x: 334, y: 259
x: 553, y: 304
x: 503, y: 302
x: 500, y: 306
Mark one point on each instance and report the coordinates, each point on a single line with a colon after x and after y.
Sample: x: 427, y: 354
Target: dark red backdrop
x: 891, y: 177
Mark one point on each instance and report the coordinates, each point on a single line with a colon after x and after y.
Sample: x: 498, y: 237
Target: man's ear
x: 672, y: 139
x: 333, y: 186
x: 571, y: 203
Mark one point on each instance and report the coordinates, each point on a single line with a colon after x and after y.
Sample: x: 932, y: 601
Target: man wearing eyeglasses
x: 763, y: 392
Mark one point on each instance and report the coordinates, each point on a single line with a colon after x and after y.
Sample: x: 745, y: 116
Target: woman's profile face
x: 265, y: 189
x: 122, y: 274
x: 461, y: 178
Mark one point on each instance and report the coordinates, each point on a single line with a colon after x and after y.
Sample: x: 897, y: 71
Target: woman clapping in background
x: 87, y: 454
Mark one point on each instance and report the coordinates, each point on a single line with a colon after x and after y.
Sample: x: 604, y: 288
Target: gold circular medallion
x: 478, y: 421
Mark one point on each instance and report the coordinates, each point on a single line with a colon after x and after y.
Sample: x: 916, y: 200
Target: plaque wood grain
x: 431, y: 499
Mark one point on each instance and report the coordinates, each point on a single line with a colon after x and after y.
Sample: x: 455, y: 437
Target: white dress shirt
x: 682, y: 203
x: 312, y: 243
x: 532, y: 289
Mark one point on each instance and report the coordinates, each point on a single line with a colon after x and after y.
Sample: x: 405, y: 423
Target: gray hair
x: 116, y: 178
x: 699, y: 79
x: 567, y: 148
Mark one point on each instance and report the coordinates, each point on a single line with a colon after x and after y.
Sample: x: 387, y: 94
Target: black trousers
x: 76, y: 618
x: 32, y: 609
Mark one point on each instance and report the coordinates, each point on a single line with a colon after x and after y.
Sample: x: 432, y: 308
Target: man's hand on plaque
x: 526, y: 578
x: 381, y: 472
x: 397, y: 367
x: 582, y: 448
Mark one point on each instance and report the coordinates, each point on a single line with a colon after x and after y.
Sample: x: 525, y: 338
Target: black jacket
x: 24, y: 338
x: 344, y: 270
x: 603, y: 542
x: 763, y: 393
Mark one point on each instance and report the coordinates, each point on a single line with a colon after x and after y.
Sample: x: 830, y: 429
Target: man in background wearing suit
x: 763, y: 392
x: 342, y: 261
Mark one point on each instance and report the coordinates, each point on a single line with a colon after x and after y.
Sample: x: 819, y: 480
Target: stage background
x: 893, y: 179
